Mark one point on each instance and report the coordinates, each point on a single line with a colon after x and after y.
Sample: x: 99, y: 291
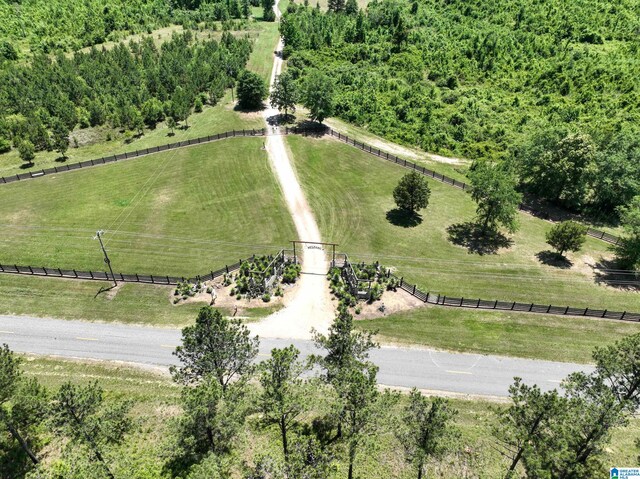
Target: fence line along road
x: 439, y: 300
x: 321, y: 129
x: 428, y: 297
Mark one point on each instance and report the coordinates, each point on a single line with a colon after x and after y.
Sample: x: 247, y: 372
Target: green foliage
x: 494, y: 191
x: 209, y: 424
x: 351, y: 7
x: 216, y: 346
x: 27, y: 151
x: 567, y: 236
x: 59, y: 137
x: 426, y: 431
x: 5, y: 145
x: 152, y: 112
x: 412, y: 192
x: 562, y: 170
x: 336, y: 5
x: 283, y: 397
x: 291, y: 273
x: 82, y: 415
x: 22, y: 410
x: 64, y: 25
x: 284, y: 94
x: 523, y: 428
x: 565, y: 436
x: 628, y: 250
x: 268, y: 14
x: 125, y: 86
x: 252, y: 90
x: 345, y: 348
x: 318, y: 95
x: 482, y: 79
x: 7, y: 51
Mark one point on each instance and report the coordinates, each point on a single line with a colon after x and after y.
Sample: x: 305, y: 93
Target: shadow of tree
x: 281, y: 119
x: 471, y: 236
x: 257, y: 109
x: 403, y: 218
x: 61, y: 159
x: 610, y: 273
x: 551, y: 258
x: 26, y: 166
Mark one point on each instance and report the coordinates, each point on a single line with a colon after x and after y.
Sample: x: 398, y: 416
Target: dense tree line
x: 48, y: 26
x: 547, y: 85
x: 131, y: 86
x: 560, y: 433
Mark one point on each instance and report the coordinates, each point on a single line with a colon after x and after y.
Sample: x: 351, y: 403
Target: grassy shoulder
x: 351, y: 195
x: 552, y: 338
x: 156, y: 398
x: 452, y: 167
x: 182, y: 212
x: 82, y: 300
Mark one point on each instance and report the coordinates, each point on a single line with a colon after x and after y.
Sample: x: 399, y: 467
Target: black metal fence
x: 297, y: 130
x: 412, y: 289
x: 105, y: 276
x: 131, y: 154
x: 440, y: 300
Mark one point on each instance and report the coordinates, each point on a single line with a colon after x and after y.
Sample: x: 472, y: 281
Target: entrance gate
x: 315, y: 252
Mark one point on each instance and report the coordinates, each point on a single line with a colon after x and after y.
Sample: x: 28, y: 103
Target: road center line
x: 557, y: 381
x: 458, y: 372
x: 168, y: 346
x: 87, y: 339
x: 7, y: 332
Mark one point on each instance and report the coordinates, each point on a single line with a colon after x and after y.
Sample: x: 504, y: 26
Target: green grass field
x: 351, y: 195
x: 155, y: 397
x: 180, y: 212
x: 552, y: 338
x: 79, y: 300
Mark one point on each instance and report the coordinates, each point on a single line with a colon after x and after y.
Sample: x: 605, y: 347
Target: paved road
x: 472, y: 374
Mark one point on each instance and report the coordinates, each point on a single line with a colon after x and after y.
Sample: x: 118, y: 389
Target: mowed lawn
x: 552, y: 338
x: 79, y: 300
x: 182, y: 212
x: 351, y: 195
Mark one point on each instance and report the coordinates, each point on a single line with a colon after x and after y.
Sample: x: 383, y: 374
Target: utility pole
x: 98, y: 236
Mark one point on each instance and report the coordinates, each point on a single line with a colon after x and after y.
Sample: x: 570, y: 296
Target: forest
x: 67, y: 25
x: 131, y: 86
x: 547, y: 87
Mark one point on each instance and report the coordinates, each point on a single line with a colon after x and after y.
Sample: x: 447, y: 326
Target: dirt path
x: 311, y: 306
